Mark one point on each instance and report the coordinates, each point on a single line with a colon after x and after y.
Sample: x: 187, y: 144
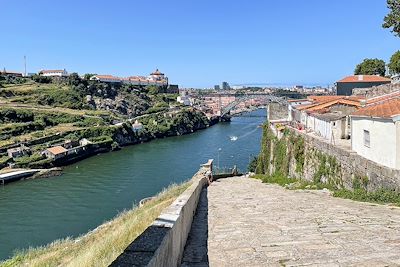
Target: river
x: 92, y: 191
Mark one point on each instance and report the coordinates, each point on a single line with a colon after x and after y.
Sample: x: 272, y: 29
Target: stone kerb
x: 163, y: 243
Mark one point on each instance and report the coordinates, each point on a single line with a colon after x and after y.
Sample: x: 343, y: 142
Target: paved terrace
x: 242, y: 222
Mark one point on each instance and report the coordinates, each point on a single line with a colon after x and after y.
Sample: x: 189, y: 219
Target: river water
x: 92, y: 191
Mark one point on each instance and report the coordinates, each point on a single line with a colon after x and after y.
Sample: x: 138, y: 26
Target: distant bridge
x: 240, y: 98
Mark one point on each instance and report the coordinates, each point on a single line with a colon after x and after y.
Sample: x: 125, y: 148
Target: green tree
x: 74, y: 79
x: 394, y: 64
x: 87, y: 76
x: 154, y: 89
x: 392, y: 20
x: 371, y: 67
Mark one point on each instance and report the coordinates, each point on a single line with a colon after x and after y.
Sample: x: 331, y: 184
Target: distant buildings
x: 155, y: 78
x: 11, y: 73
x: 225, y: 86
x: 217, y: 87
x: 18, y: 152
x: 53, y: 73
x: 346, y: 85
x: 184, y: 98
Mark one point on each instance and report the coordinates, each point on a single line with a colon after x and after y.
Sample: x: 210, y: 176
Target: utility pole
x: 24, y: 66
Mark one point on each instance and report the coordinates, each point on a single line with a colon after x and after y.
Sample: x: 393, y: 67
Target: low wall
x: 163, y: 243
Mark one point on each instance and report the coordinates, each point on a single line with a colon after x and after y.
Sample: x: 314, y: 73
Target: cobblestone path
x: 255, y: 224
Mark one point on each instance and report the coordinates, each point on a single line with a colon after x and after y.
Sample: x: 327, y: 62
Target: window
x: 366, y: 138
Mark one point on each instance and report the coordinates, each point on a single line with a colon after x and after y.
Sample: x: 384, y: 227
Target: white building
x: 137, y: 126
x: 155, y: 78
x: 54, y: 73
x: 376, y: 132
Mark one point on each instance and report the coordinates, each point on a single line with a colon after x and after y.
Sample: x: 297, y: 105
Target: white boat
x: 233, y: 138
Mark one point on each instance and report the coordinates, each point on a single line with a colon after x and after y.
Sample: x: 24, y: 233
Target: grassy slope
x: 101, y: 246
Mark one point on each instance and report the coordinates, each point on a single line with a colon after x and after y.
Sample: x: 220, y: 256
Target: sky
x: 197, y: 43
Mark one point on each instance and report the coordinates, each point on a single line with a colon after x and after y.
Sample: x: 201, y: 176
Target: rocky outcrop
x: 126, y: 104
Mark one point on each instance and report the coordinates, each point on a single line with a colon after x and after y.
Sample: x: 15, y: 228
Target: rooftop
x: 387, y: 109
x: 57, y: 150
x: 51, y: 71
x: 364, y: 78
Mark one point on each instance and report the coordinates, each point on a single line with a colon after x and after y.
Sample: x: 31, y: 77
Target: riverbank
x: 102, y: 245
x: 110, y: 138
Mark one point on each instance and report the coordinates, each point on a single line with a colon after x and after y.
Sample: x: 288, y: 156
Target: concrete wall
x: 162, y: 243
x: 383, y: 147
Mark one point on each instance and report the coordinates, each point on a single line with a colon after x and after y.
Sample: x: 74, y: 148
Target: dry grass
x: 101, y: 246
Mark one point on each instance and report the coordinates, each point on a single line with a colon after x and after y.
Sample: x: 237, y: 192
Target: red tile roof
x: 364, y: 78
x: 57, y: 150
x: 387, y: 109
x: 383, y: 98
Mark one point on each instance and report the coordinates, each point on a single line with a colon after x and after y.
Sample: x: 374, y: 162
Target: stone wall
x: 163, y: 243
x: 302, y: 156
x: 277, y: 111
x: 376, y: 90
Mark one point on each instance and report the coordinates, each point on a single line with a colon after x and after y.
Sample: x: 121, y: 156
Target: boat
x: 233, y: 138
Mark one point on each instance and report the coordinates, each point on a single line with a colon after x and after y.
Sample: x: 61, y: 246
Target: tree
x: 371, y: 67
x: 394, y: 64
x: 74, y: 79
x: 392, y: 20
x: 154, y: 89
x: 87, y: 76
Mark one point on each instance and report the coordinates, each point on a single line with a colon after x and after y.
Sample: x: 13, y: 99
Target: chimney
x: 360, y: 77
x: 363, y: 103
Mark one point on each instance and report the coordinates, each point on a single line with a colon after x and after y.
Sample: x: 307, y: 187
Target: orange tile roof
x: 324, y: 98
x: 384, y: 97
x: 364, y: 78
x: 387, y: 109
x: 57, y: 150
x: 332, y: 103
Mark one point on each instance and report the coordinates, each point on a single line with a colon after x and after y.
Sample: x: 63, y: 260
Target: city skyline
x: 199, y: 44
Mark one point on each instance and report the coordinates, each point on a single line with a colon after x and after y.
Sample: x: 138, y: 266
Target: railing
x: 225, y: 172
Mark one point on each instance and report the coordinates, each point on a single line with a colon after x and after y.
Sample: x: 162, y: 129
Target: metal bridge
x: 244, y: 97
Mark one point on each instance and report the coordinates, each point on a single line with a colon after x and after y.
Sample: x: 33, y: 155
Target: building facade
x: 376, y: 133
x: 346, y: 85
x: 53, y: 73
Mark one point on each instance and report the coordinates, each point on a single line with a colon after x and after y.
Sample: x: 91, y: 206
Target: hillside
x: 40, y: 113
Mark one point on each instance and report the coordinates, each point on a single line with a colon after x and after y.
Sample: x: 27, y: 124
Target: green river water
x: 36, y: 212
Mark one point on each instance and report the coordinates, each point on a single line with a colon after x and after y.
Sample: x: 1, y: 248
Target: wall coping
x: 163, y: 242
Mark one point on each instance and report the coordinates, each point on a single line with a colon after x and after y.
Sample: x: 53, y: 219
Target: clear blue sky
x: 197, y: 43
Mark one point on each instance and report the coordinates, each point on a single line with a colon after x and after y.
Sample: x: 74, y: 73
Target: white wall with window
x: 376, y: 139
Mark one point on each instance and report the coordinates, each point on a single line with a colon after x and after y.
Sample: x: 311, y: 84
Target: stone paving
x: 255, y: 224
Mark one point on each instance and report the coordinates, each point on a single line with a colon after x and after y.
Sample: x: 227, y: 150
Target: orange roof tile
x: 332, y: 103
x: 387, y: 109
x: 364, y: 78
x: 384, y: 97
x: 57, y: 150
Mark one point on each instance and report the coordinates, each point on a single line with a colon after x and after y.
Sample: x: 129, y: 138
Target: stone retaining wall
x: 163, y: 243
x: 303, y: 156
x: 351, y: 166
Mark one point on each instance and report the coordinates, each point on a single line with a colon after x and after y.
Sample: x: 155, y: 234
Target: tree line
x: 375, y: 66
